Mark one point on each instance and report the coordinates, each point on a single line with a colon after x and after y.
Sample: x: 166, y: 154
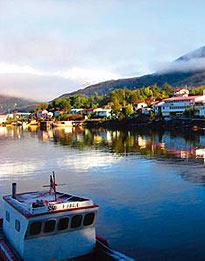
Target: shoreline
x: 173, y: 124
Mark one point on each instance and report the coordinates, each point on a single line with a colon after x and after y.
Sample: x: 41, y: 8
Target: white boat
x: 63, y: 124
x: 50, y: 225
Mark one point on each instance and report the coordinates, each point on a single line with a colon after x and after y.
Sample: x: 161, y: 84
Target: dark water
x: 150, y: 186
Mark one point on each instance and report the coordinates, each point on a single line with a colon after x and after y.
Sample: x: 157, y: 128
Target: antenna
x: 52, y: 186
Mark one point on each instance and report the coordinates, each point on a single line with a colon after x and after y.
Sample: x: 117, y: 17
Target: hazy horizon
x: 53, y: 47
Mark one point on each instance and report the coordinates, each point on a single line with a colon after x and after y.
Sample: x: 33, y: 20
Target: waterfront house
x: 3, y: 118
x: 179, y: 103
x: 199, y: 109
x: 76, y: 111
x: 21, y: 115
x: 102, y: 113
x: 146, y: 111
x: 39, y: 114
x: 50, y: 114
x: 57, y: 113
x: 139, y: 105
x: 44, y: 113
x: 182, y: 92
x: 88, y: 111
x: 156, y: 106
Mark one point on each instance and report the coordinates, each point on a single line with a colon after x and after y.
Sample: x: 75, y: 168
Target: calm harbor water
x: 150, y: 186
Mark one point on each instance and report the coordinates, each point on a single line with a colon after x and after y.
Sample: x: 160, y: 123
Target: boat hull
x: 102, y: 251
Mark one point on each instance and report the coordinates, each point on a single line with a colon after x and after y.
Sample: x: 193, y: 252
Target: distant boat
x: 50, y: 225
x: 63, y: 124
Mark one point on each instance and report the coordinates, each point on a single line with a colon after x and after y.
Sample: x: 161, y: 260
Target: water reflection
x: 146, y: 182
x: 150, y: 144
x: 185, y: 149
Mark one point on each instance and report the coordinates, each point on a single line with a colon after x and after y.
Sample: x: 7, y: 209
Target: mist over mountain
x: 9, y: 104
x: 188, y: 69
x: 196, y: 54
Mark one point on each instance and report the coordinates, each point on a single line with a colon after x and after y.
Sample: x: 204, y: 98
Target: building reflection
x: 11, y: 132
x: 164, y: 145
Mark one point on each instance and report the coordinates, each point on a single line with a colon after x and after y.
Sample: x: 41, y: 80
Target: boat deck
x: 45, y: 202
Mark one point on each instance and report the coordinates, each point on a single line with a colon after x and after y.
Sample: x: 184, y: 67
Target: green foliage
x: 62, y: 104
x: 129, y: 110
x: 149, y: 94
x: 116, y: 108
x: 95, y: 101
x: 42, y: 106
x: 197, y: 90
x: 152, y: 116
x: 64, y: 117
x: 168, y: 90
x: 120, y: 100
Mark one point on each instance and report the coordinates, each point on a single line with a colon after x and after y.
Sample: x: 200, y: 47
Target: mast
x: 52, y: 186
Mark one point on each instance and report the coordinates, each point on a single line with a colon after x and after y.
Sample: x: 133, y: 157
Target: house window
x: 88, y: 219
x: 63, y: 223
x: 76, y: 221
x: 17, y: 225
x: 7, y: 216
x: 49, y: 226
x: 35, y: 228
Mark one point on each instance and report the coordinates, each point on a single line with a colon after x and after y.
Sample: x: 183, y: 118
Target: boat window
x: 88, y: 219
x: 7, y: 216
x: 76, y: 221
x: 49, y: 226
x: 17, y: 225
x: 63, y: 223
x: 35, y: 228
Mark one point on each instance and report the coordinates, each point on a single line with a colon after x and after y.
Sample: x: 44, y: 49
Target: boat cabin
x: 49, y: 225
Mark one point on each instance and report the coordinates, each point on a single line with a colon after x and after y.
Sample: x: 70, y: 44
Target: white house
x: 146, y: 111
x: 50, y: 114
x: 182, y: 92
x: 156, y: 106
x: 3, y: 118
x: 76, y: 111
x: 178, y: 104
x: 139, y: 105
x: 102, y: 113
x: 41, y: 113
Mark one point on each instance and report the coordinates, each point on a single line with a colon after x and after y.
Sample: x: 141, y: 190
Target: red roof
x: 183, y: 98
x: 180, y: 88
x: 156, y: 102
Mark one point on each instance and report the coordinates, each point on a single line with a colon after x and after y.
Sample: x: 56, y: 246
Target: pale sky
x: 51, y: 47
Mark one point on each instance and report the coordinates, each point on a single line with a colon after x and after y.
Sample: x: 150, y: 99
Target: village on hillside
x: 61, y: 114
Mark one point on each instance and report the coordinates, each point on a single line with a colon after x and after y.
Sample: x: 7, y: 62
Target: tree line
x: 120, y: 100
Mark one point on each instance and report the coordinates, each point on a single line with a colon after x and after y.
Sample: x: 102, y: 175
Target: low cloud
x: 28, y: 82
x: 197, y: 64
x: 38, y: 87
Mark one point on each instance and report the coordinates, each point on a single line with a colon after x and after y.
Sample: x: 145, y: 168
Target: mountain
x: 9, y: 104
x: 196, y: 54
x: 188, y: 69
